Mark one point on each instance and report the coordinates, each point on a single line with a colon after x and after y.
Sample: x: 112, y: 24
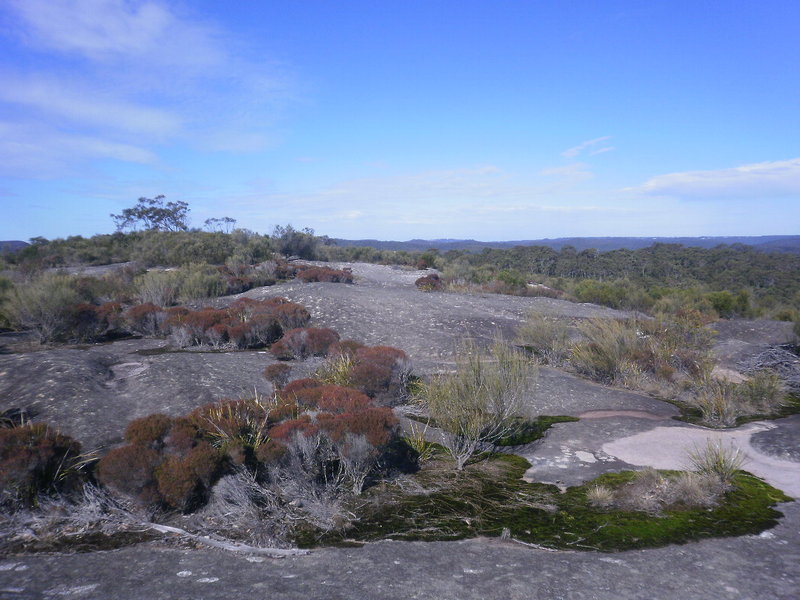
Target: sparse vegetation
x: 723, y: 403
x: 489, y: 497
x: 475, y: 407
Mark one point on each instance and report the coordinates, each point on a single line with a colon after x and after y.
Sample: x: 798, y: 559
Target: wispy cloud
x: 112, y: 30
x: 570, y: 173
x: 576, y: 150
x: 443, y: 203
x: 123, y: 79
x: 757, y: 180
x: 87, y: 106
x: 602, y: 150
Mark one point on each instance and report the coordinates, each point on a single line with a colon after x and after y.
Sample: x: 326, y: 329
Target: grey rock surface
x: 92, y: 393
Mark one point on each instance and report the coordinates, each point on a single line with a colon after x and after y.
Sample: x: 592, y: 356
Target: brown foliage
x: 277, y: 374
x: 303, y: 342
x: 35, y: 459
x: 291, y: 315
x: 167, y: 462
x: 326, y: 274
x: 429, y: 283
x: 375, y: 423
x: 286, y: 430
x: 130, y: 470
x: 149, y: 430
x: 145, y: 319
x: 345, y: 348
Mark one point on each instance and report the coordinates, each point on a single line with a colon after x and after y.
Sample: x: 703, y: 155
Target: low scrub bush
x: 166, y: 461
x: 430, y: 283
x: 36, y: 460
x: 628, y: 353
x: 547, y: 337
x: 382, y: 373
x: 722, y: 403
x: 476, y: 406
x: 277, y: 374
x: 651, y: 491
x: 145, y: 319
x: 303, y: 342
x: 326, y: 274
x: 44, y: 306
x: 158, y: 287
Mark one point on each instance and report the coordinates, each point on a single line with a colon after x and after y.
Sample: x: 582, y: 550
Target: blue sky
x: 404, y: 119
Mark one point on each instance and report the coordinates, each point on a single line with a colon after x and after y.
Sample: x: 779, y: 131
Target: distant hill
x: 12, y: 245
x: 768, y: 243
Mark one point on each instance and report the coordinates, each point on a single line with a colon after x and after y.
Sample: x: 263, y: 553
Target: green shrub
x: 44, y: 305
x: 158, y: 287
x: 547, y: 337
x: 197, y: 281
x: 722, y: 403
x: 476, y: 405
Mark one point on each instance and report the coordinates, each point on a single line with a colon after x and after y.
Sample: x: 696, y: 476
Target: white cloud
x: 87, y: 106
x: 757, y: 180
x: 602, y: 150
x: 123, y: 79
x: 576, y: 150
x: 571, y: 173
x: 36, y: 152
x: 119, y: 29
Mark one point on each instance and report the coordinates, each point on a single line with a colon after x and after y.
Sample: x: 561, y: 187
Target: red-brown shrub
x: 238, y: 335
x: 429, y: 283
x: 336, y: 399
x: 382, y: 355
x: 291, y: 389
x: 302, y: 342
x: 371, y: 378
x: 175, y: 316
x: 184, y: 481
x: 291, y: 315
x: 217, y: 335
x: 148, y: 431
x: 277, y: 374
x: 345, y: 348
x: 85, y: 322
x: 130, y: 470
x: 380, y: 371
x: 326, y: 274
x: 182, y: 436
x: 375, y: 423
x: 286, y: 430
x: 169, y: 463
x: 263, y: 329
x: 145, y: 319
x: 35, y: 459
x: 110, y: 313
x: 270, y: 451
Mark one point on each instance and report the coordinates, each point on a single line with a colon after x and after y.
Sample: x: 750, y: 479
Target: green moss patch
x: 523, y: 431
x: 490, y: 498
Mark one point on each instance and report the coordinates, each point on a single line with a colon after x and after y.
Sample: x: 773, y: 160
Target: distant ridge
x: 12, y: 245
x: 767, y: 243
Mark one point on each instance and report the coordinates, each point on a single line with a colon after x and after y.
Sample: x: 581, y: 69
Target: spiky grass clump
x: 725, y: 404
x: 476, y: 406
x: 546, y: 337
x: 717, y: 460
